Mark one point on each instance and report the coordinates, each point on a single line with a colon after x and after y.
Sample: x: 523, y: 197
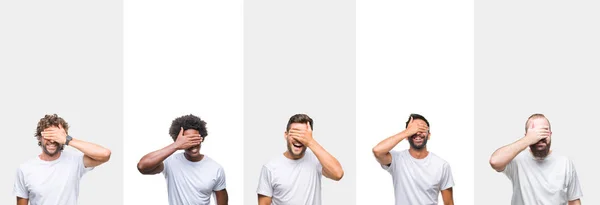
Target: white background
x: 414, y: 57
x: 182, y: 57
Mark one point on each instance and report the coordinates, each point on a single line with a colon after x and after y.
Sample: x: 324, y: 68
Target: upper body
x: 418, y: 175
x: 418, y: 181
x: 191, y: 176
x: 294, y: 178
x: 51, y: 182
x: 538, y: 176
x: 292, y: 182
x: 53, y: 177
x: 192, y: 182
x: 552, y: 180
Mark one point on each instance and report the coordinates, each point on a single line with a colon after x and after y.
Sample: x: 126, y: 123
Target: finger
x: 60, y: 127
x: 296, y: 132
x: 180, y: 132
x: 531, y: 126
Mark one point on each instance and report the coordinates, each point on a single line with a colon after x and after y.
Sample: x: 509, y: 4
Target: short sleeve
x: 166, y: 164
x: 510, y: 169
x: 220, y: 185
x: 447, y: 179
x: 20, y: 189
x: 81, y: 166
x: 573, y: 188
x: 392, y: 166
x: 264, y: 183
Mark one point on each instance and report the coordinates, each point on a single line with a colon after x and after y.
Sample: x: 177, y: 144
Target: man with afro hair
x: 191, y: 177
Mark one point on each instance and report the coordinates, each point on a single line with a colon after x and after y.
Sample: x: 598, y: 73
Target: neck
x: 418, y: 153
x: 46, y: 157
x: 289, y: 155
x: 193, y: 159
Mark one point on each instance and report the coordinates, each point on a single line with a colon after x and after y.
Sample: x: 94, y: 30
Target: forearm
x: 575, y: 202
x: 388, y: 144
x: 91, y: 150
x: 504, y: 155
x: 154, y: 159
x: 329, y: 163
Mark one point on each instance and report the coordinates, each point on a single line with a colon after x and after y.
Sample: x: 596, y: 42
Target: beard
x: 291, y: 147
x: 540, y: 152
x: 52, y: 153
x: 417, y: 147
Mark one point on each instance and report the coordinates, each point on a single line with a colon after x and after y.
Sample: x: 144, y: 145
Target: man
x: 191, y: 177
x: 418, y: 175
x: 294, y: 178
x: 538, y: 176
x: 52, y: 178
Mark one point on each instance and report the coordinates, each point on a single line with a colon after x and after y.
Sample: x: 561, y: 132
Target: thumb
x: 180, y: 132
x: 411, y: 120
x: 308, y: 125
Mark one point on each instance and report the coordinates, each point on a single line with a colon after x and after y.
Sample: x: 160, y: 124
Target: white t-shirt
x: 552, y: 180
x: 418, y: 181
x: 51, y: 182
x: 292, y: 182
x: 192, y: 182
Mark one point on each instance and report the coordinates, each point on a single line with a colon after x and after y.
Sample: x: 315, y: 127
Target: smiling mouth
x: 297, y: 145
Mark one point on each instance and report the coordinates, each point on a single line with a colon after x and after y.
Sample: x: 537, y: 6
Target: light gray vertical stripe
x: 300, y: 58
x: 63, y: 57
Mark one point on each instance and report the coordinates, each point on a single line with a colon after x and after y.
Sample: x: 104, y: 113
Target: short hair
x: 299, y: 118
x: 414, y: 117
x: 536, y: 116
x: 50, y: 121
x: 187, y: 122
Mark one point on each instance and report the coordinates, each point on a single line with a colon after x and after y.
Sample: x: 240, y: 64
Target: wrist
x: 176, y: 145
x: 68, y: 139
x: 310, y: 143
x: 404, y: 134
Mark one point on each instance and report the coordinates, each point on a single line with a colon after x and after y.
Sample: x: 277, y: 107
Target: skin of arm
x: 382, y: 150
x: 152, y: 163
x: 575, y: 202
x: 501, y: 157
x: 264, y: 200
x: 22, y: 201
x: 332, y: 168
x: 222, y: 197
x: 447, y: 196
x: 94, y: 154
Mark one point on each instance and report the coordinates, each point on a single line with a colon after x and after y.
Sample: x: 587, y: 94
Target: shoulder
x: 273, y: 163
x: 212, y: 163
x: 438, y: 160
x: 28, y: 165
x: 71, y: 155
x: 399, y: 155
x: 174, y: 156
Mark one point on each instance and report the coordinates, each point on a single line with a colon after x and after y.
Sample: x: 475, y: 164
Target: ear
x: 429, y: 136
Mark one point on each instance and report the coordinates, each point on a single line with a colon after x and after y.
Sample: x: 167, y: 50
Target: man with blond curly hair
x: 52, y: 178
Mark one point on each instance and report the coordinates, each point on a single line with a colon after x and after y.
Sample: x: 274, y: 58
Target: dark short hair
x: 416, y: 116
x: 50, y: 121
x: 299, y: 118
x: 187, y: 122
